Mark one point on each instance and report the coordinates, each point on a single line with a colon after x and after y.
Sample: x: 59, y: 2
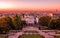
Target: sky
x: 30, y: 4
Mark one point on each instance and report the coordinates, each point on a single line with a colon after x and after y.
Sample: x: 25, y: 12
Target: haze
x: 30, y: 4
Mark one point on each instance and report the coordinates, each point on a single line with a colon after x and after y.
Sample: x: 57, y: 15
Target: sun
x: 4, y: 5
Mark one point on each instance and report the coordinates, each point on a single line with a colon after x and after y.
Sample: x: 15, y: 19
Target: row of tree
x: 15, y: 23
x: 11, y: 23
x: 51, y: 23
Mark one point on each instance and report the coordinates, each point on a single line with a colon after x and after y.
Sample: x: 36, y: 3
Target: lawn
x: 30, y: 32
x: 31, y: 36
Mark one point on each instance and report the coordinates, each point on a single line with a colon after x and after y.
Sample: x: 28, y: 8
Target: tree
x: 17, y: 21
x: 44, y: 21
x: 54, y: 24
x: 6, y: 23
x: 9, y: 21
x: 23, y: 23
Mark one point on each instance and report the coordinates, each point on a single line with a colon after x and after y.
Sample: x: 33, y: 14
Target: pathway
x: 16, y: 35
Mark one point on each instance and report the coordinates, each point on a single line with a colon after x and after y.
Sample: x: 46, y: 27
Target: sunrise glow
x: 4, y: 5
x: 30, y: 4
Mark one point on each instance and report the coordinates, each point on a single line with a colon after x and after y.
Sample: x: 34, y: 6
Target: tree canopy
x: 17, y: 21
x: 6, y: 23
x: 54, y: 24
x: 44, y: 21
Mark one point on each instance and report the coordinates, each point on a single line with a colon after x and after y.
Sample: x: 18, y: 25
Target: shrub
x: 54, y: 24
x: 44, y: 21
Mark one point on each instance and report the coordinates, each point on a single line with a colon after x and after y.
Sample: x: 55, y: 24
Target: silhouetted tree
x: 23, y: 23
x: 6, y: 24
x: 17, y: 21
x: 54, y: 24
x: 44, y: 21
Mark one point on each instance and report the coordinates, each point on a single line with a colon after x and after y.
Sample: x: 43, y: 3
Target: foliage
x: 6, y: 23
x: 44, y: 20
x: 23, y: 23
x: 54, y: 24
x: 17, y: 21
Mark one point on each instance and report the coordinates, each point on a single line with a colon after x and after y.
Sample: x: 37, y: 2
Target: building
x: 56, y: 15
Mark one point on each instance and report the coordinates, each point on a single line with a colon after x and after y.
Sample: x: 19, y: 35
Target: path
x: 16, y: 35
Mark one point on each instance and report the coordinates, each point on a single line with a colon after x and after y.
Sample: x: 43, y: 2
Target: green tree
x: 23, y: 23
x: 54, y: 24
x: 44, y: 21
x: 6, y: 23
x: 9, y: 21
x: 17, y: 22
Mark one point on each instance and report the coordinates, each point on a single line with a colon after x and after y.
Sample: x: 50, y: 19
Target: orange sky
x: 30, y: 4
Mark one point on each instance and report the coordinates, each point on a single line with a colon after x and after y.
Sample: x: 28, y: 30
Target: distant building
x: 50, y: 14
x: 56, y: 15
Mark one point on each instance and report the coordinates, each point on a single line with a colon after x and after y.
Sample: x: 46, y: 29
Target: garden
x: 31, y: 36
